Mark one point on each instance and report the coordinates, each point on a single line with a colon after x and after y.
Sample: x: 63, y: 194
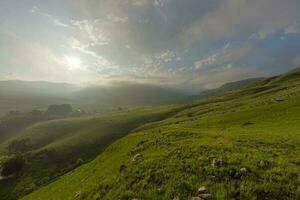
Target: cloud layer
x: 187, y: 43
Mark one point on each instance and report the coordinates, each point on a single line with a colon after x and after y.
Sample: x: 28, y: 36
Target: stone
x: 217, y: 162
x: 77, y: 194
x: 202, y: 190
x: 243, y: 170
x: 263, y: 164
x: 137, y: 157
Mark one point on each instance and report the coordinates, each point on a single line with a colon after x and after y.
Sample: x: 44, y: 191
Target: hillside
x: 243, y: 144
x: 55, y: 147
x: 228, y: 87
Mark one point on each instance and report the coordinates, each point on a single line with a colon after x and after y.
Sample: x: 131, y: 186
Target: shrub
x: 12, y: 165
x: 79, y: 162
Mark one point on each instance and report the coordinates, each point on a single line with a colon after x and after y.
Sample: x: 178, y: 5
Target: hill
x: 55, y: 147
x: 228, y: 87
x: 243, y: 144
x: 129, y: 94
x: 29, y: 95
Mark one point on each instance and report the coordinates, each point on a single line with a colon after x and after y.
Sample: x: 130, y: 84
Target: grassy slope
x: 59, y: 143
x: 256, y: 128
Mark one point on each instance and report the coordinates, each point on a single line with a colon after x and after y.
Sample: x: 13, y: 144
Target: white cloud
x: 167, y: 56
x: 244, y: 17
x: 211, y: 60
x: 215, y: 79
x: 55, y: 20
x: 224, y: 56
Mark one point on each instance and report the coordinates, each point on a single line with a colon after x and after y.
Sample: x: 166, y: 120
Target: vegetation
x: 15, y: 121
x: 56, y: 147
x: 12, y: 165
x: 241, y: 145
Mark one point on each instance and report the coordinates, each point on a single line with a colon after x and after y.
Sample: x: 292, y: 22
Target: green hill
x: 54, y: 147
x: 228, y: 87
x: 243, y: 144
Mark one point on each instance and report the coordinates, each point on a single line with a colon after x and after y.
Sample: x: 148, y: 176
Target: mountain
x: 30, y: 95
x: 228, y: 87
x: 129, y: 94
x: 240, y: 144
x: 26, y: 95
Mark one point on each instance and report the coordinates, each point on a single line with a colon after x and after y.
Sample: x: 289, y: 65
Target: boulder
x: 202, y: 190
x: 244, y: 170
x: 217, y: 162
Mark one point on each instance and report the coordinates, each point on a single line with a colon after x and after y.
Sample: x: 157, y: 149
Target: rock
x: 137, y: 157
x: 77, y: 195
x: 244, y: 170
x: 202, y: 190
x: 263, y: 164
x: 217, y: 162
x: 205, y: 196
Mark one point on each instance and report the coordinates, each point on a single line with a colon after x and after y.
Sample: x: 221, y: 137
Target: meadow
x: 239, y: 145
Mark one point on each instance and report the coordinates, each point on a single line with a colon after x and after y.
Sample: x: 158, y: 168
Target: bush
x: 12, y: 165
x: 79, y: 162
x: 20, y: 145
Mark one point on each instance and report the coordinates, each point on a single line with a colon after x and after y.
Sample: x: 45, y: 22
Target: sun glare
x: 73, y: 62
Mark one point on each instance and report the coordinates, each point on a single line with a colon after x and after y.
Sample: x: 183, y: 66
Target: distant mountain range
x: 228, y: 87
x: 28, y: 95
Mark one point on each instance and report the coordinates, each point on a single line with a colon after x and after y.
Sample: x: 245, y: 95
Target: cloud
x: 234, y: 17
x: 228, y: 73
x: 168, y: 41
x: 224, y: 56
x: 56, y: 21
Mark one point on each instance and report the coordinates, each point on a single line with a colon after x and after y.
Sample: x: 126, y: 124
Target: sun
x: 73, y: 62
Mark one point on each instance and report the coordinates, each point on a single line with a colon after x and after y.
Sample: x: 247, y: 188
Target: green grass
x: 255, y: 128
x: 57, y: 145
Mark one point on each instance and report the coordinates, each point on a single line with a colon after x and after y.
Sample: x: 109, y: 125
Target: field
x: 240, y: 145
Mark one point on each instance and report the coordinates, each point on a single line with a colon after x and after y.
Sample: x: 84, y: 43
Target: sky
x: 183, y: 43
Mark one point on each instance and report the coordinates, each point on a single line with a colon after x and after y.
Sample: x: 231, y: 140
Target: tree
x: 19, y: 145
x: 13, y: 165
